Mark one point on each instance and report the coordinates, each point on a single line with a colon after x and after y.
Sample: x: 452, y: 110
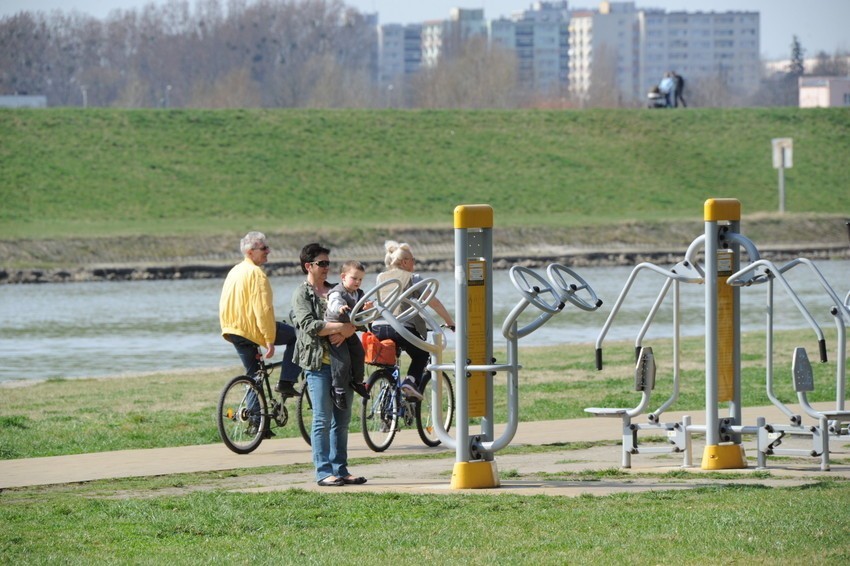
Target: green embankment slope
x: 155, y: 173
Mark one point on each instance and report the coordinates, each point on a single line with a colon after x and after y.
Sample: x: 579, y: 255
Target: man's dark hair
x: 310, y: 252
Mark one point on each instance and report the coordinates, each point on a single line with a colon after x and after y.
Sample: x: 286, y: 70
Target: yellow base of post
x: 475, y: 475
x: 724, y: 457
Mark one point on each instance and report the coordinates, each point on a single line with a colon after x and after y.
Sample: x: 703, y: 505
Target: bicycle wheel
x: 379, y: 413
x: 242, y: 415
x: 305, y: 413
x: 424, y: 416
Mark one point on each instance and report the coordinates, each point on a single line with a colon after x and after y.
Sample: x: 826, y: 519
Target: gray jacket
x: 338, y: 297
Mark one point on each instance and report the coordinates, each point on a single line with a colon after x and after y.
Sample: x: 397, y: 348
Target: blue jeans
x: 329, y: 437
x: 247, y: 350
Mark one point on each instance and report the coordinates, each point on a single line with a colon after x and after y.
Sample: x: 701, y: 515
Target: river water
x: 119, y: 328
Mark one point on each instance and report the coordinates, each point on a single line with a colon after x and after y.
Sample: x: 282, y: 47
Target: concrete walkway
x: 387, y: 473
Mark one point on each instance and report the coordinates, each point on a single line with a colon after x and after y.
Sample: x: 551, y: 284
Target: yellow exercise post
x: 474, y: 319
x: 722, y: 334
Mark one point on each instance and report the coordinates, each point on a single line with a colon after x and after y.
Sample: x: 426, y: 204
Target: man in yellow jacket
x: 246, y: 313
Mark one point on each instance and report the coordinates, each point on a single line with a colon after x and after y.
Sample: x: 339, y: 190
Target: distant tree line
x: 266, y: 53
x: 272, y: 53
x: 276, y: 53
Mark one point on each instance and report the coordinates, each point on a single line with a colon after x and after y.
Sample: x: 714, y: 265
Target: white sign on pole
x: 782, y: 153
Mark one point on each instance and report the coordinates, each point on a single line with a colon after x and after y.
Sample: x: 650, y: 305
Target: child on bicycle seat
x: 348, y: 358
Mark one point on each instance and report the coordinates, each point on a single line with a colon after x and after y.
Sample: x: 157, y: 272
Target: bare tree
x: 478, y: 78
x: 24, y: 42
x: 837, y: 65
x: 234, y: 90
x: 777, y: 90
x: 264, y: 53
x: 604, y: 91
x: 340, y: 87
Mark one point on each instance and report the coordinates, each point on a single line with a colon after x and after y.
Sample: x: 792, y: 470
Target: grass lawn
x: 726, y: 524
x: 143, y: 521
x: 176, y: 409
x: 100, y: 174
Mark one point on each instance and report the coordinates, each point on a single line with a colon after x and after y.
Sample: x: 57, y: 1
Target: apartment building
x: 538, y: 38
x: 617, y: 50
x: 707, y: 46
x: 630, y: 49
x: 399, y: 52
x: 603, y: 49
x: 445, y: 38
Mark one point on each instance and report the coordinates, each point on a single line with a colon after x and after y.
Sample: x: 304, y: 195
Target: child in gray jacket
x: 347, y: 358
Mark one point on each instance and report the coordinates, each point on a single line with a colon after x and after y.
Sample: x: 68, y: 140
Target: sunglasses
x: 263, y: 249
x: 323, y: 263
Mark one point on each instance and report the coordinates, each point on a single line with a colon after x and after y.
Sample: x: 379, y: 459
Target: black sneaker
x: 268, y: 433
x: 286, y: 388
x: 340, y: 402
x: 360, y: 388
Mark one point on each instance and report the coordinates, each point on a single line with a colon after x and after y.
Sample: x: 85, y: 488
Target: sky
x: 821, y: 25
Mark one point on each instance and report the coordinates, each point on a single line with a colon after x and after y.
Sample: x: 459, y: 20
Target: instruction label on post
x: 476, y: 331
x: 475, y: 273
x: 725, y: 329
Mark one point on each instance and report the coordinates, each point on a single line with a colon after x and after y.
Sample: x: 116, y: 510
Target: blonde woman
x: 401, y: 265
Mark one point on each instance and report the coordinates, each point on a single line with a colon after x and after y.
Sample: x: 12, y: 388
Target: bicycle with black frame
x: 249, y: 409
x: 388, y: 409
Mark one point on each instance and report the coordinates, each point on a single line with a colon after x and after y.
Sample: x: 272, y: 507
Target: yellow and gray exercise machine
x: 474, y: 363
x: 723, y: 278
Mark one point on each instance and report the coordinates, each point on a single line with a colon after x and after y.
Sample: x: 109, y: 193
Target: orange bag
x: 378, y: 352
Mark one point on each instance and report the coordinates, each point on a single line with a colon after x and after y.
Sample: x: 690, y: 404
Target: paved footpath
x: 386, y: 473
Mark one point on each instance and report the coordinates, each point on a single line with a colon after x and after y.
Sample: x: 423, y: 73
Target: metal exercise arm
x: 361, y: 315
x: 685, y: 271
x: 409, y: 306
x: 537, y: 291
x: 770, y: 272
x: 571, y: 287
x: 549, y: 297
x: 839, y: 311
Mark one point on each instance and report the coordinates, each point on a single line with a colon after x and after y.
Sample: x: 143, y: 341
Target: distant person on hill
x: 401, y: 266
x: 666, y: 86
x: 246, y: 314
x: 347, y: 358
x: 678, y: 89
